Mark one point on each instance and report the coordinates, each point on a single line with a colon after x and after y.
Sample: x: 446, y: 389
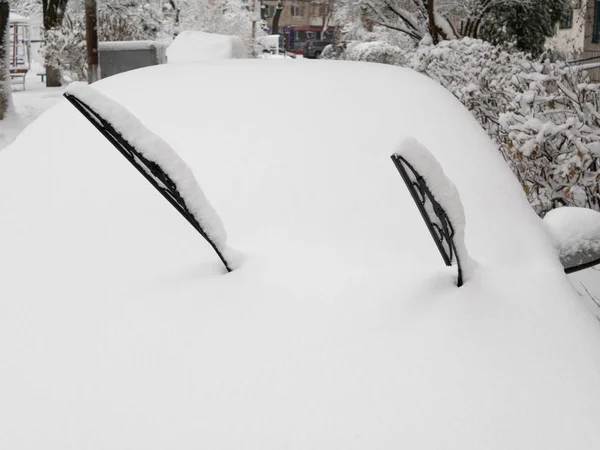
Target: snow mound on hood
x: 574, y: 230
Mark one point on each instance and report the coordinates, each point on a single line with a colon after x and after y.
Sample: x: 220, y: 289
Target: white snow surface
x: 574, y: 229
x: 197, y: 46
x: 341, y: 329
x: 129, y: 45
x: 17, y: 18
x: 157, y: 150
x: 445, y: 193
x: 270, y: 42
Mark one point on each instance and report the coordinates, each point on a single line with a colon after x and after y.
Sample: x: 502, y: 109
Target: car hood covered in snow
x: 341, y: 329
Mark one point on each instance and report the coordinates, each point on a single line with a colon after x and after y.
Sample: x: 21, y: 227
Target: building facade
x: 578, y: 34
x: 301, y: 21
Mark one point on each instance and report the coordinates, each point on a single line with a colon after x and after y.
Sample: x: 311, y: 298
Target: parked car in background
x: 313, y: 49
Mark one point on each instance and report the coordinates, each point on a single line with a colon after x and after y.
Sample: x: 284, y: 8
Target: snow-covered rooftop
x: 129, y: 45
x: 340, y: 329
x: 12, y: 18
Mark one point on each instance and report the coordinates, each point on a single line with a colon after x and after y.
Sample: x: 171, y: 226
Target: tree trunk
x: 53, y: 77
x: 177, y: 11
x: 5, y: 85
x: 54, y: 12
x: 91, y: 40
x: 366, y: 21
x: 433, y: 30
x: 325, y: 25
x: 276, y: 17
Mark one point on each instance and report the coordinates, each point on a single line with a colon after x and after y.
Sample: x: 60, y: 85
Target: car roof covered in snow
x: 340, y: 329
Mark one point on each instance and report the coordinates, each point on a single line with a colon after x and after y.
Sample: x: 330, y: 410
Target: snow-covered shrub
x: 544, y: 116
x: 552, y: 137
x: 332, y: 52
x: 377, y: 52
x: 65, y: 48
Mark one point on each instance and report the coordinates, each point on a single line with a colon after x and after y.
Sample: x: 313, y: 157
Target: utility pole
x: 91, y: 40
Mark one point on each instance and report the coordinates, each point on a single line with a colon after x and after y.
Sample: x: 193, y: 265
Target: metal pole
x: 91, y: 40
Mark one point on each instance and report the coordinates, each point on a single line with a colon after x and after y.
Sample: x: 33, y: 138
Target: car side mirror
x: 576, y: 235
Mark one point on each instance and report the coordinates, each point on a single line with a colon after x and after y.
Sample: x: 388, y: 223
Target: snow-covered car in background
x: 197, y: 46
x: 338, y: 327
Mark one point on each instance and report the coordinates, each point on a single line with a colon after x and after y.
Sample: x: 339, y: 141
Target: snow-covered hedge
x: 544, y: 116
x: 376, y: 51
x: 381, y: 52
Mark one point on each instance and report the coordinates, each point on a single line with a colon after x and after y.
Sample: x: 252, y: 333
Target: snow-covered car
x: 339, y: 327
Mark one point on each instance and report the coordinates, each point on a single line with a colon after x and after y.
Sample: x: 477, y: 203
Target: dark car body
x: 313, y: 49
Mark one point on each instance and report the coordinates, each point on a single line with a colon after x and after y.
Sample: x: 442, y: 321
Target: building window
x: 300, y: 36
x: 567, y: 19
x: 297, y: 11
x: 596, y: 36
x: 319, y: 10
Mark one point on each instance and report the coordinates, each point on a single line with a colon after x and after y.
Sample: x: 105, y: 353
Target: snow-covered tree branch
x: 525, y: 23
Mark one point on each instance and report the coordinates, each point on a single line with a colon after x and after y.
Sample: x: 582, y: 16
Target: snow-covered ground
x: 340, y: 329
x: 29, y: 104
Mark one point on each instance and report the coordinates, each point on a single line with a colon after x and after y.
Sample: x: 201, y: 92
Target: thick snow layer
x: 269, y: 42
x: 17, y: 18
x: 129, y: 45
x: 445, y: 193
x: 197, y: 46
x: 342, y: 329
x: 157, y: 150
x: 574, y: 230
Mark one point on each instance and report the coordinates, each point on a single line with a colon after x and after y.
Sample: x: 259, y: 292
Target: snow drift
x: 576, y: 231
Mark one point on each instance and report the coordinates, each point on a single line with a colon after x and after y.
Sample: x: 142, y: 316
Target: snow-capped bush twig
x: 544, y: 116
